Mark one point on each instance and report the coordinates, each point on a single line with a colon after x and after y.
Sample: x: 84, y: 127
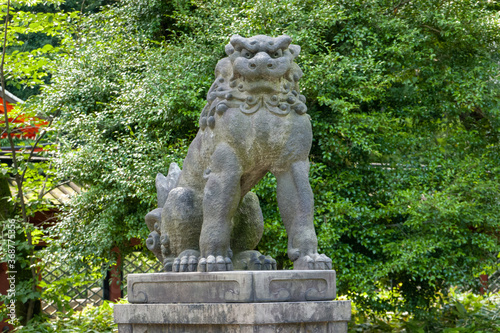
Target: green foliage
x: 33, y: 180
x: 404, y: 101
x: 21, y: 264
x: 61, y: 290
x: 456, y: 312
x: 25, y: 64
x: 36, y: 179
x: 114, y: 77
x: 95, y: 319
x: 39, y: 27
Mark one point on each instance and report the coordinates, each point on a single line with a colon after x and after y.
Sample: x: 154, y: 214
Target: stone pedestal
x: 238, y: 301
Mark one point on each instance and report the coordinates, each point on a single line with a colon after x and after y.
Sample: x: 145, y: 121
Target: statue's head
x: 259, y: 73
x: 261, y: 57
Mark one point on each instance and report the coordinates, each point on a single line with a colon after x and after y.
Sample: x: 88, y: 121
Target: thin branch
x: 34, y: 276
x: 79, y: 25
x: 37, y: 142
x: 81, y: 9
x: 402, y: 3
x: 431, y: 28
x: 5, y: 130
x: 395, y: 9
x: 397, y: 225
x: 42, y: 194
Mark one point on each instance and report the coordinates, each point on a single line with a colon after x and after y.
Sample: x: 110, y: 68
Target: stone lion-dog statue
x: 254, y: 122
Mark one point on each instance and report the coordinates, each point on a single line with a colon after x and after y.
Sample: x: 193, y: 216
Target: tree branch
x: 395, y: 9
x: 34, y: 276
x: 431, y: 28
x: 37, y: 142
x: 43, y: 193
x: 5, y: 130
x: 402, y: 3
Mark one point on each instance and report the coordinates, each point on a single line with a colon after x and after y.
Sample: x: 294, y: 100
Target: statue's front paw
x: 215, y: 264
x: 313, y: 261
x: 187, y: 261
x: 262, y: 263
x: 253, y: 261
x: 185, y: 264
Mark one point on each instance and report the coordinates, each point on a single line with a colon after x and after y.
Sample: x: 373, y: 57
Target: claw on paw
x: 187, y: 261
x: 202, y: 265
x: 313, y: 262
x: 253, y: 261
x: 192, y: 264
x: 215, y: 264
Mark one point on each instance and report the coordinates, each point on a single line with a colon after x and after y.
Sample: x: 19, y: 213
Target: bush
x: 456, y: 312
x: 92, y: 319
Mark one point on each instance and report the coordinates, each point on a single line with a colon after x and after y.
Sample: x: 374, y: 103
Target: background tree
x: 40, y: 34
x: 404, y: 101
x: 21, y: 67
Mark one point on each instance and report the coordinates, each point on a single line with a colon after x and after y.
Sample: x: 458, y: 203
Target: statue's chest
x: 259, y: 127
x: 261, y: 132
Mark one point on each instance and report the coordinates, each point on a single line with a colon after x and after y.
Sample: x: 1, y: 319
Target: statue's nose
x: 261, y: 62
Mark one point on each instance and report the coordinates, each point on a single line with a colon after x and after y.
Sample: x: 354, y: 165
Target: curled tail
x: 156, y: 242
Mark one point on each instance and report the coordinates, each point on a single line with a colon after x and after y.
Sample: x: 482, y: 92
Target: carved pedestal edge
x: 232, y: 287
x: 293, y: 317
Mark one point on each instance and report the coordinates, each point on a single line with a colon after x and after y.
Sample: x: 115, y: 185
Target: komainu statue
x: 254, y: 122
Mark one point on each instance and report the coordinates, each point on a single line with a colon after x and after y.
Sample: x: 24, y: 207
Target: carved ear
x: 282, y: 42
x: 237, y: 42
x: 229, y: 49
x: 294, y: 50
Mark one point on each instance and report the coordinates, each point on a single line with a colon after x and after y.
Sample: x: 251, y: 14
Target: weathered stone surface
x: 165, y: 184
x: 294, y: 286
x: 208, y: 222
x: 331, y: 327
x: 254, y: 122
x: 190, y: 287
x: 236, y: 286
x: 324, y: 316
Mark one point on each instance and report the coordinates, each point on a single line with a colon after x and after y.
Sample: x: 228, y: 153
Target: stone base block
x: 292, y: 317
x: 281, y: 328
x: 232, y: 287
x: 227, y: 302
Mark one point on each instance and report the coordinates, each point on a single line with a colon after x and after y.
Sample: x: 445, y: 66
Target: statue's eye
x: 277, y: 54
x: 247, y: 54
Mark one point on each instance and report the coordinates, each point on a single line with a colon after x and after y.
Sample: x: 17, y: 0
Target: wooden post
x: 483, y: 278
x: 112, y: 286
x: 113, y: 281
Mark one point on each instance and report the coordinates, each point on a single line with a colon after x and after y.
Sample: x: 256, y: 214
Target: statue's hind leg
x: 248, y: 226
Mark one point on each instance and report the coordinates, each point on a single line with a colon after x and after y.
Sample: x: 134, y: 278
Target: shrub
x: 456, y: 312
x: 92, y: 319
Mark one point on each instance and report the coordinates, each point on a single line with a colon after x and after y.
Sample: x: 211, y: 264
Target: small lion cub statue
x: 254, y: 122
